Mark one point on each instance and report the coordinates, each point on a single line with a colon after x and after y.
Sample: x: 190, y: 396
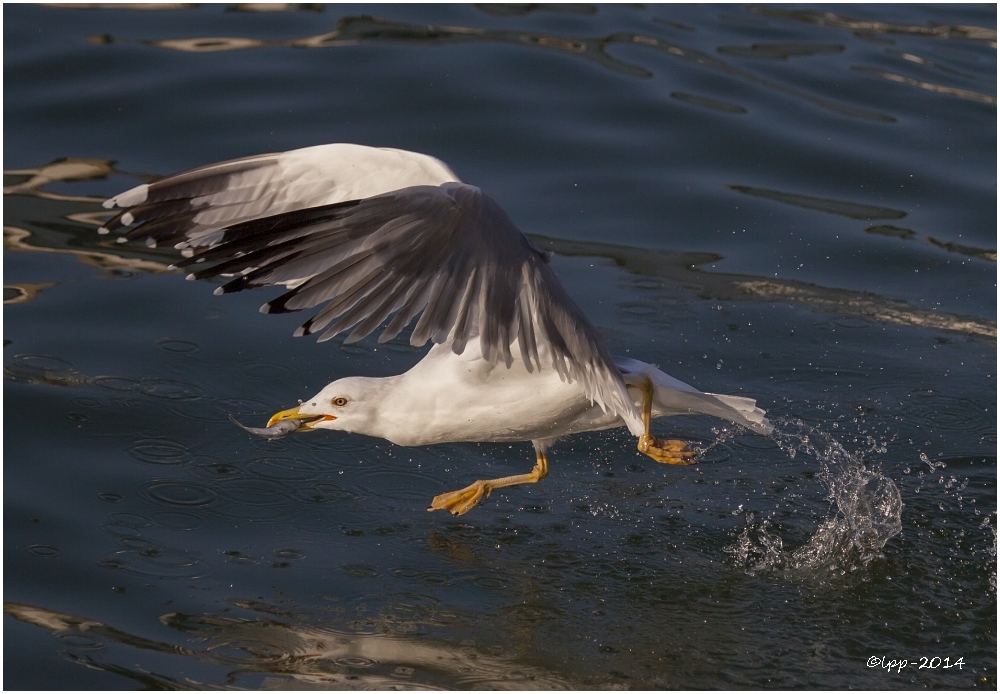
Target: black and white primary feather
x: 381, y: 237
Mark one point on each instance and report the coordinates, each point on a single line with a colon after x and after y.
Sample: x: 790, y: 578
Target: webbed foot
x: 463, y: 500
x: 671, y: 451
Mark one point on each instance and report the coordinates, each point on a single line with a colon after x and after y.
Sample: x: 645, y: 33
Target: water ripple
x: 430, y: 578
x: 324, y: 492
x: 152, y: 560
x: 170, y: 389
x: 289, y: 553
x: 247, y: 652
x: 178, y: 346
x: 253, y: 492
x: 396, y: 484
x: 266, y: 370
x: 47, y: 551
x: 360, y: 570
x: 117, y: 383
x: 490, y: 583
x: 131, y: 520
x: 237, y: 557
x: 255, y: 498
x: 935, y: 411
x: 79, y: 642
x: 173, y: 493
x: 177, y: 520
x: 215, y: 468
x: 284, y: 469
x: 119, y: 529
x: 355, y: 661
x: 160, y: 451
x: 40, y: 368
x: 42, y: 362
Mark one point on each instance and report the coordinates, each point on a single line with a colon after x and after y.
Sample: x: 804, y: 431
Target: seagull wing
x: 448, y: 253
x: 188, y: 209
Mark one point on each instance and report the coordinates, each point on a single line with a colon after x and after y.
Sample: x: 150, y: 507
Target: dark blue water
x: 792, y: 203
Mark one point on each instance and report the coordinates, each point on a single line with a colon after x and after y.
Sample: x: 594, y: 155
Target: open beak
x: 304, y: 419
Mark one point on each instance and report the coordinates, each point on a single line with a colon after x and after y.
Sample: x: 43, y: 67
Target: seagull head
x: 348, y: 404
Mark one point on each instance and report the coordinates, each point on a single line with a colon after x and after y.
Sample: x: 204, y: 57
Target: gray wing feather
x: 188, y: 209
x: 173, y: 210
x: 448, y: 252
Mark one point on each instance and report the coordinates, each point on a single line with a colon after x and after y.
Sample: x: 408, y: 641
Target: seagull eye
x: 340, y: 402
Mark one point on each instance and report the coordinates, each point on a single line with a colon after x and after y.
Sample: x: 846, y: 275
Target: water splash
x: 866, y: 510
x: 991, y: 551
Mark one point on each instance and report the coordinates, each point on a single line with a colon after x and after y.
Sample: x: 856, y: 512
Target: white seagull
x: 372, y: 233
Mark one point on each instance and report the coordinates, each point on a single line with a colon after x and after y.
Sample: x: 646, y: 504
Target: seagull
x: 374, y: 237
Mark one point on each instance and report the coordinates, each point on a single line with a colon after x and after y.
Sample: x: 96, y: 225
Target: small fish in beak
x: 282, y: 424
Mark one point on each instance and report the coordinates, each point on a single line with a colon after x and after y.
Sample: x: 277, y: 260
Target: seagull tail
x: 746, y: 412
x: 674, y: 397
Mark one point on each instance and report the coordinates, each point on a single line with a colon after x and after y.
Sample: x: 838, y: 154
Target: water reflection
x: 929, y: 86
x: 964, y: 250
x: 23, y: 292
x: 706, y: 102
x: 864, y: 27
x: 937, y: 66
x: 27, y: 203
x: 141, y: 6
x: 276, y: 7
x: 352, y: 31
x: 273, y: 651
x: 65, y: 169
x: 856, y: 210
x: 365, y: 29
x: 780, y: 51
x: 501, y: 9
x: 682, y: 268
x: 907, y: 234
x: 842, y: 207
x: 41, y: 369
x: 161, y: 6
x: 17, y: 239
x: 890, y: 230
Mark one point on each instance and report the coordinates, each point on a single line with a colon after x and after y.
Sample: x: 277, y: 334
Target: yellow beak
x: 294, y: 413
x: 283, y: 415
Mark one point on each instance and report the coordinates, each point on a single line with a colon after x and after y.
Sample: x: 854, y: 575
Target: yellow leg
x: 464, y: 500
x: 671, y: 451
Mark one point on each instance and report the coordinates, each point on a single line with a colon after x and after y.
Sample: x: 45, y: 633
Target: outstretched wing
x: 447, y: 253
x: 188, y: 209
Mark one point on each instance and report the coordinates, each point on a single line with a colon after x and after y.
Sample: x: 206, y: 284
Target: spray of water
x: 991, y: 551
x: 865, y: 511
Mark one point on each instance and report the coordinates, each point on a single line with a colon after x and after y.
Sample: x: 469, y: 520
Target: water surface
x: 792, y: 203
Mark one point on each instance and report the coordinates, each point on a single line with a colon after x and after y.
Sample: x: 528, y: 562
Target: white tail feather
x: 674, y: 397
